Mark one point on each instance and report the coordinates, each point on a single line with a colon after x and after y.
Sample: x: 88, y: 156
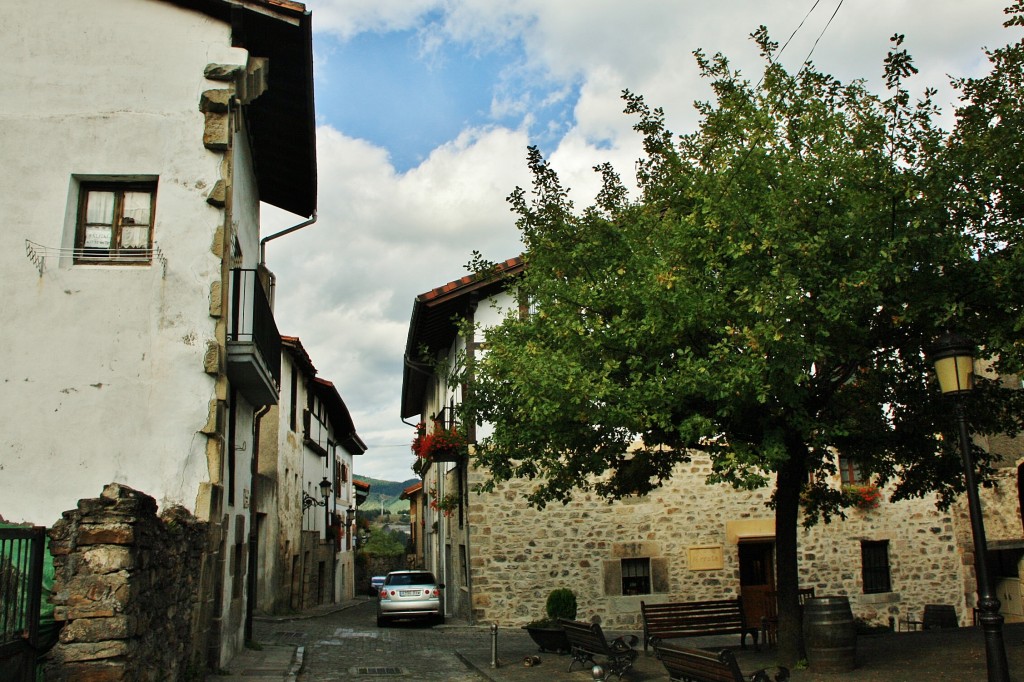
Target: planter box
x: 447, y: 455
x: 551, y: 639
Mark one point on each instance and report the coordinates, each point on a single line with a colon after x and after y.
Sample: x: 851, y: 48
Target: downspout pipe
x: 287, y: 230
x: 253, y: 568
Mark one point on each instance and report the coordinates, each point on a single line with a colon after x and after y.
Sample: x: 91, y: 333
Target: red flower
x: 439, y: 442
x: 862, y: 496
x: 446, y: 505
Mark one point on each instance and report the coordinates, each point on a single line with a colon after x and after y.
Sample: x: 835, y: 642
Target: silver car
x: 410, y: 594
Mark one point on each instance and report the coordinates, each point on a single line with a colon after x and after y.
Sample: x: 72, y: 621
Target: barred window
x: 636, y: 576
x: 874, y: 556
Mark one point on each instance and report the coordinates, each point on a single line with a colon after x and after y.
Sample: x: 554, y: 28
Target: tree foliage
x: 768, y: 298
x: 385, y: 543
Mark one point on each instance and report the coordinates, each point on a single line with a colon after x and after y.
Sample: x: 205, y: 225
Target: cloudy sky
x: 425, y: 109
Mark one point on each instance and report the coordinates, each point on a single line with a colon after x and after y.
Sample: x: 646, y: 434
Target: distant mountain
x: 391, y: 491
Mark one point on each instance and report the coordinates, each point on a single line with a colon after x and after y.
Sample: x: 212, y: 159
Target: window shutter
x: 612, y: 577
x: 659, y: 575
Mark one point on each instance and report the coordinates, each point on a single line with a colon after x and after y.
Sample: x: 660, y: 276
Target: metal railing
x: 251, y: 319
x: 39, y: 255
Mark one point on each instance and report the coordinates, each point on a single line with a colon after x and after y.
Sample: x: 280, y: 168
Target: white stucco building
x: 138, y: 339
x: 306, y: 547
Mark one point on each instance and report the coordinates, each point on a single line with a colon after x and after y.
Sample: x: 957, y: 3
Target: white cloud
x: 347, y: 18
x: 346, y: 284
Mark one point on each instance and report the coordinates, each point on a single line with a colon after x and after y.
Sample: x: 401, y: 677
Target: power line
x: 800, y: 26
x: 827, y: 24
x: 752, y: 146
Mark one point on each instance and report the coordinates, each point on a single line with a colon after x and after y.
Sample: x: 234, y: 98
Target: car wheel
x: 381, y: 621
x: 439, y: 619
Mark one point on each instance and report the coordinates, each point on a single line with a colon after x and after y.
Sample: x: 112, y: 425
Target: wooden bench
x: 696, y: 619
x: 697, y: 665
x: 586, y: 640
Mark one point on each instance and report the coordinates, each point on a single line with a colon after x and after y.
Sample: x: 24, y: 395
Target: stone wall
x: 126, y: 588
x: 371, y: 565
x: 691, y: 532
x: 317, y: 566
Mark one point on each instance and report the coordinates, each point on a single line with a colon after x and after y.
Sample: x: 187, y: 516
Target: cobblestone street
x: 348, y: 645
x: 344, y: 643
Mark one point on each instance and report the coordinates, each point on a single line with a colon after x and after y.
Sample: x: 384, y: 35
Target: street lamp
x: 310, y: 501
x: 350, y: 519
x: 325, y: 489
x: 953, y: 357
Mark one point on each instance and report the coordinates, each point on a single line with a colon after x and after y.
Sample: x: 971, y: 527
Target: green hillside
x: 391, y: 491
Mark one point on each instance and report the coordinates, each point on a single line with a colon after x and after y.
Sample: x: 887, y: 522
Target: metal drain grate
x: 378, y: 671
x: 288, y: 635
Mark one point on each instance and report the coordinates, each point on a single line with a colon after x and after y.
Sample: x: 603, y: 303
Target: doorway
x: 757, y: 579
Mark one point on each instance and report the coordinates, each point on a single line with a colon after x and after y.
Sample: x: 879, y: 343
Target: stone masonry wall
x: 126, y: 587
x: 691, y: 531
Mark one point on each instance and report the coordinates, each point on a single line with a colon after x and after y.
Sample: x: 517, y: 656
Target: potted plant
x: 546, y: 632
x: 446, y: 504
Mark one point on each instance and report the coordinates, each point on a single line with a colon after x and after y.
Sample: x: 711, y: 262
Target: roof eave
x: 431, y: 324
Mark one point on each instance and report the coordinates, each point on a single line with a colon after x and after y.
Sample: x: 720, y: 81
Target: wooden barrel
x: 830, y: 635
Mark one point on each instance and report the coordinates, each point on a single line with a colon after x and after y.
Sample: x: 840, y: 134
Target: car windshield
x: 411, y: 579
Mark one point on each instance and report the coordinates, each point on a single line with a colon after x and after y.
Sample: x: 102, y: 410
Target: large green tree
x: 768, y: 298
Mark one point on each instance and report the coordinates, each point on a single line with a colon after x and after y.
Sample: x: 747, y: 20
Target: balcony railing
x: 254, y: 344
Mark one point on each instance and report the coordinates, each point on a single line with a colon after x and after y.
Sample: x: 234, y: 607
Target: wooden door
x: 757, y: 580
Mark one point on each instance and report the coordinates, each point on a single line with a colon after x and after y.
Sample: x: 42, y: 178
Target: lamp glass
x: 955, y: 373
x: 325, y: 487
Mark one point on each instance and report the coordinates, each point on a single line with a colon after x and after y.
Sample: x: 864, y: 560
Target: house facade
x: 306, y: 546
x: 139, y: 341
x: 417, y: 500
x: 687, y: 540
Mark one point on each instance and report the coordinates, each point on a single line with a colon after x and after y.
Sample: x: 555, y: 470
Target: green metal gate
x: 22, y: 551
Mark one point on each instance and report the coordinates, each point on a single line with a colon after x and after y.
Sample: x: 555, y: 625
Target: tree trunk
x: 791, y: 477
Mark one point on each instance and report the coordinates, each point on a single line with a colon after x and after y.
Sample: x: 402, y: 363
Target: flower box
x: 439, y: 445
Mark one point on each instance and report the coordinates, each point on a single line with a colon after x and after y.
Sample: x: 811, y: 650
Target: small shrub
x: 561, y: 604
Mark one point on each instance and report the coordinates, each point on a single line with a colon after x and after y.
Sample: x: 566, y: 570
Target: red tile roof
x: 294, y: 346
x: 457, y: 287
x: 411, y: 490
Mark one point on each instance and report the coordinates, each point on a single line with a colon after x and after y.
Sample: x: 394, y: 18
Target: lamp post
x: 953, y: 357
x: 310, y: 501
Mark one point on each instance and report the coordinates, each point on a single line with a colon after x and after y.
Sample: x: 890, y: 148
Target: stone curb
x: 296, y: 666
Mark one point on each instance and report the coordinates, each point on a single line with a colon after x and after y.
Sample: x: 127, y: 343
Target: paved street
x: 344, y: 643
x: 348, y: 645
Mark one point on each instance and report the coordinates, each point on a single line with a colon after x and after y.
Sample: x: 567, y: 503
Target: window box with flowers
x: 439, y: 445
x: 446, y: 504
x: 863, y: 496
